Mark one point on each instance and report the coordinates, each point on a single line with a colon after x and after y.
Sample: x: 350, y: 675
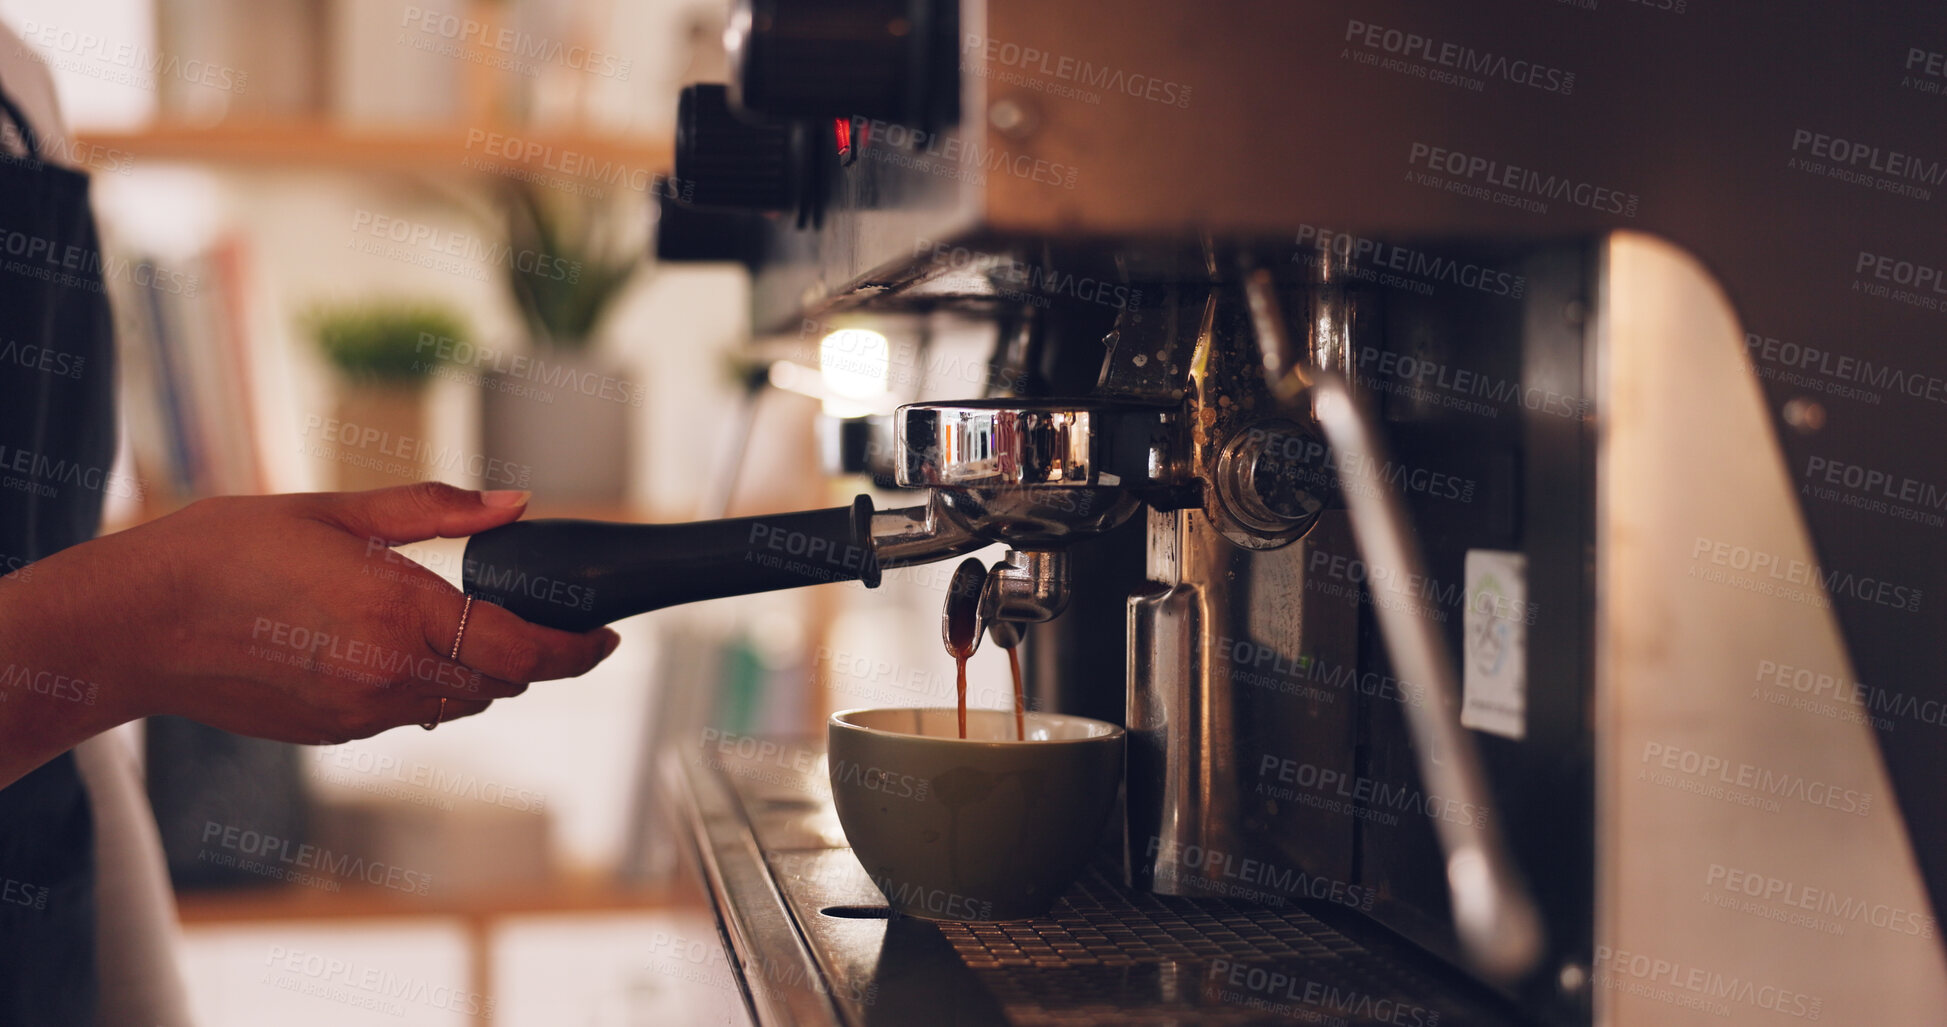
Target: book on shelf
x: 185, y: 347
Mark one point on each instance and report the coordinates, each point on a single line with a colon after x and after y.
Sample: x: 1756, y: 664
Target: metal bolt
x: 1806, y: 415
x: 1012, y: 118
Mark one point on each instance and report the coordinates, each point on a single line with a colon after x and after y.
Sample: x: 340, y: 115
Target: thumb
x: 412, y: 513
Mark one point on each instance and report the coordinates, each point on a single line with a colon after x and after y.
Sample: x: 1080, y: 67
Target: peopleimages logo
x: 43, y: 475
x: 60, y: 147
x: 41, y: 358
x: 1317, y: 464
x: 1367, y: 792
x: 1866, y: 165
x: 81, y: 267
x: 937, y: 901
x: 1264, y: 665
x: 533, y: 158
x: 1407, y: 261
x: 1272, y: 990
x: 813, y: 556
x: 518, y: 45
x: 1525, y: 188
x: 1836, y: 374
x: 123, y: 63
x: 1876, y: 491
x: 279, y: 854
x: 1025, y: 280
x: 1924, y: 71
x: 1816, y: 687
x: 442, y: 351
x: 1910, y: 282
x: 375, y: 772
x: 948, y: 155
x: 1459, y: 57
x: 1782, y: 899
x: 1716, y: 770
x: 366, y: 986
x: 454, y: 252
x: 1613, y: 965
x: 1216, y: 870
x: 20, y: 893
x: 403, y: 455
x: 1458, y: 386
x: 1780, y: 574
x: 353, y: 658
x: 491, y: 579
x: 1034, y: 61
x: 47, y: 684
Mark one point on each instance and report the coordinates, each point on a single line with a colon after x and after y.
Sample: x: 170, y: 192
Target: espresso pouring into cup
x: 960, y: 625
x: 1037, y: 475
x: 1008, y: 822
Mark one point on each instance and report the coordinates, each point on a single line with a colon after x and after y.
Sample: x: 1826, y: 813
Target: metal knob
x: 1274, y: 479
x: 878, y: 59
x: 728, y: 162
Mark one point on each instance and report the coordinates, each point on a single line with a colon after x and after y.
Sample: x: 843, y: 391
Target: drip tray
x: 1101, y: 955
x: 1106, y: 953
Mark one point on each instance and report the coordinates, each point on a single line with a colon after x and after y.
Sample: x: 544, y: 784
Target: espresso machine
x: 1384, y: 423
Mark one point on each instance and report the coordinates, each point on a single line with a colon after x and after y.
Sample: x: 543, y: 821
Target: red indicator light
x: 842, y: 133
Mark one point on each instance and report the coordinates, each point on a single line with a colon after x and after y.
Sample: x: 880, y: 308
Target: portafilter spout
x: 1034, y: 474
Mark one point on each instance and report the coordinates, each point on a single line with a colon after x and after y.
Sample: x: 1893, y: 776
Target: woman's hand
x: 283, y: 617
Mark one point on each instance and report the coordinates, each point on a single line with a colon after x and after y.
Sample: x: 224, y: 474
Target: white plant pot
x: 562, y: 423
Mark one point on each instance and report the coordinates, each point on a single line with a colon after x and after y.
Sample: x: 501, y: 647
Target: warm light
x: 857, y: 366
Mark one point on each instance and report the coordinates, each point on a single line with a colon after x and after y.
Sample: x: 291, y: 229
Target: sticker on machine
x: 1494, y: 672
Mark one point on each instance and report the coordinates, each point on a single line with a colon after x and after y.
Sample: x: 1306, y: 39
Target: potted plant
x: 563, y: 409
x: 384, y: 351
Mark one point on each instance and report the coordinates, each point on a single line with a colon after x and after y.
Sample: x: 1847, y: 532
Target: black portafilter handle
x: 579, y: 575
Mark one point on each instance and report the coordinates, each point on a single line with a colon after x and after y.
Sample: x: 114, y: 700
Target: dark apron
x: 57, y: 442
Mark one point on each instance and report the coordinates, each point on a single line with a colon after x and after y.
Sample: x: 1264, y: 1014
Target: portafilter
x: 1035, y: 475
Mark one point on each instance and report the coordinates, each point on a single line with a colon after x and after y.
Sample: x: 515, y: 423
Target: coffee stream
x: 961, y: 630
x: 1020, y: 694
x: 960, y: 666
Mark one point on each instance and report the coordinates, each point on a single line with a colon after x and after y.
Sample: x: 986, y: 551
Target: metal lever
x: 1493, y: 912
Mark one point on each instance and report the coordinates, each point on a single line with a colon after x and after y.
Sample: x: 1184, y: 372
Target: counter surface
x: 812, y: 943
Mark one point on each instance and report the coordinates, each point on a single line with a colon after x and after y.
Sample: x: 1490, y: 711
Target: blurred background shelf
x: 488, y: 920
x: 565, y: 895
x: 322, y: 145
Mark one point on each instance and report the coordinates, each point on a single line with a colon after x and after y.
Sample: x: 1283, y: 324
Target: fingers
x: 413, y: 513
x: 502, y: 646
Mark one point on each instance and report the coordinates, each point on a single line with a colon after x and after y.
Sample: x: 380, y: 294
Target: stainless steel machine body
x: 1535, y: 242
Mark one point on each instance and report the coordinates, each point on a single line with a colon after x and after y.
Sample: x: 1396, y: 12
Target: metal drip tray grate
x: 1098, y: 924
x: 1107, y: 955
